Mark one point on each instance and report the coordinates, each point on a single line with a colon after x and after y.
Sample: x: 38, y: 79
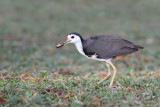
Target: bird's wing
x: 108, y: 46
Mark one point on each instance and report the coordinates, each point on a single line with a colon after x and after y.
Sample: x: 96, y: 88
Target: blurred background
x: 33, y: 72
x: 29, y: 30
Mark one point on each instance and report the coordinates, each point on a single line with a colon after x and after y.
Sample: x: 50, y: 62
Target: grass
x: 34, y: 73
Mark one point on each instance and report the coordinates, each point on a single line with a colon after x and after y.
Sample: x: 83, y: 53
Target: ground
x: 34, y: 73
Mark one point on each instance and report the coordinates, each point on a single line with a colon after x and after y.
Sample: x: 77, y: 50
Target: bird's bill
x: 67, y: 41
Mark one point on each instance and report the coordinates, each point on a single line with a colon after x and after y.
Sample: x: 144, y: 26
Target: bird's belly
x: 94, y: 57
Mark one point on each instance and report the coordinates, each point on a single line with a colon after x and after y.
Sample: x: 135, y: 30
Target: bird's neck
x: 79, y: 46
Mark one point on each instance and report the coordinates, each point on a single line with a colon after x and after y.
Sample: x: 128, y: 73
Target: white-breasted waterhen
x: 102, y: 48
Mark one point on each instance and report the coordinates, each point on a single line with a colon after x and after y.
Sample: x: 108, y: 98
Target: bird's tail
x: 138, y: 47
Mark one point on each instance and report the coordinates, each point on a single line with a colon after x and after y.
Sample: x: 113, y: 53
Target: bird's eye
x: 72, y: 37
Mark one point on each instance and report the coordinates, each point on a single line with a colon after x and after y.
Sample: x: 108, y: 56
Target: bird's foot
x: 110, y: 86
x: 107, y: 77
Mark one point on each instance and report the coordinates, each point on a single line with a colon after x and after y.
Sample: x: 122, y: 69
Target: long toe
x: 107, y: 77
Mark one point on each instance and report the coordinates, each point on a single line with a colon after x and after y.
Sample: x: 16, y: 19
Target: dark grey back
x: 107, y: 46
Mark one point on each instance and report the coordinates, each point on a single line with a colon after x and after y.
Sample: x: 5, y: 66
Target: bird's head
x: 73, y: 38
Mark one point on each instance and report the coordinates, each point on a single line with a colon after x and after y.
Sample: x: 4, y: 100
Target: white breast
x: 80, y: 50
x: 79, y: 47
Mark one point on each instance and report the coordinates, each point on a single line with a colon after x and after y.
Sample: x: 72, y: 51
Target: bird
x: 105, y: 48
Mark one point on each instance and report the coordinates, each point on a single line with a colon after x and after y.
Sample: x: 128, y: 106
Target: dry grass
x: 34, y: 73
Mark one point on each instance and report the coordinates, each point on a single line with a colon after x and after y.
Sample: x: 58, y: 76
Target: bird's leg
x: 109, y: 71
x: 114, y: 73
x: 108, y: 74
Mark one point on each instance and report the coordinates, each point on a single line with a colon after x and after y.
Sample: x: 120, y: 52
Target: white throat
x: 80, y: 50
x: 79, y: 47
